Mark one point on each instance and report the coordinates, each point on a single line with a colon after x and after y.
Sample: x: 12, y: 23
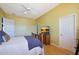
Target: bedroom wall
x: 23, y: 25
x: 51, y: 19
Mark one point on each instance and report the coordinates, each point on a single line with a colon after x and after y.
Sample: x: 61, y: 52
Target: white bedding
x: 18, y: 46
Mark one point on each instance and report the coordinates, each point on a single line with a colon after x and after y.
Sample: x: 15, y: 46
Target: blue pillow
x: 1, y: 39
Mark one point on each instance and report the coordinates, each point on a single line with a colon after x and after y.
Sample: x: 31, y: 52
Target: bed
x: 21, y: 46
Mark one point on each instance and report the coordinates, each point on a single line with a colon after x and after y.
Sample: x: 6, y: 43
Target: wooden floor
x: 53, y: 50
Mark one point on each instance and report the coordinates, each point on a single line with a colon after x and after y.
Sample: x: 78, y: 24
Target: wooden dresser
x: 45, y: 36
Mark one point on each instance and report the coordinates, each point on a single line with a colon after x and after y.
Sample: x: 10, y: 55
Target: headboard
x: 37, y: 36
x: 33, y: 34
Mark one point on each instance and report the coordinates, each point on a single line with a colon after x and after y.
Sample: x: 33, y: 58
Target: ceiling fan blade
x: 26, y: 8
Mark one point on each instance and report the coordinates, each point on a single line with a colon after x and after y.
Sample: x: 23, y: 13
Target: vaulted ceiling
x: 30, y: 10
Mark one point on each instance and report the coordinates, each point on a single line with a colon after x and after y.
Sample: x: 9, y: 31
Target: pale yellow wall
x: 28, y: 23
x: 22, y: 21
x: 52, y: 19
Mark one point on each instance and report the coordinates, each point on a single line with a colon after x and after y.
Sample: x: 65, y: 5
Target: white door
x: 8, y: 27
x: 67, y: 32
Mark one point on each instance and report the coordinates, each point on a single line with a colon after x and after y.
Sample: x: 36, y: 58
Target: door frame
x: 75, y: 30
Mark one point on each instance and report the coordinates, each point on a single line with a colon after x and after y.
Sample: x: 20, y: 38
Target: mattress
x: 18, y: 46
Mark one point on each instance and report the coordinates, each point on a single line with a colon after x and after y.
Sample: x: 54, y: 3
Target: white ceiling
x: 37, y: 9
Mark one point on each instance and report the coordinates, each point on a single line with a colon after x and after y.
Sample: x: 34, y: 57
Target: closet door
x: 8, y: 26
x: 67, y: 32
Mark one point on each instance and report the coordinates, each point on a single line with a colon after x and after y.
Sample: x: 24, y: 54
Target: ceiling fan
x: 27, y: 9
